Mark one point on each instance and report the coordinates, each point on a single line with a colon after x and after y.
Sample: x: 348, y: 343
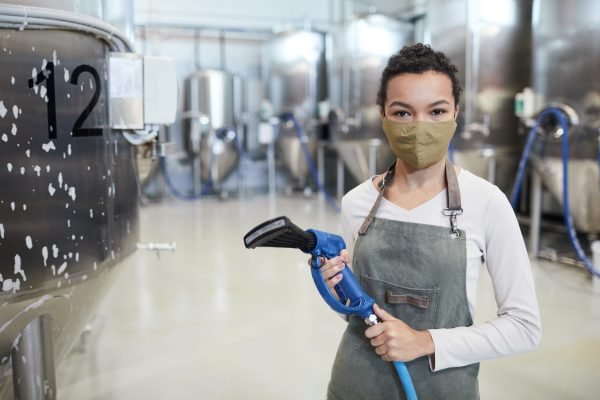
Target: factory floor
x: 213, y: 320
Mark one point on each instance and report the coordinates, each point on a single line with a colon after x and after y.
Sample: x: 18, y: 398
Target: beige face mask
x: 419, y: 144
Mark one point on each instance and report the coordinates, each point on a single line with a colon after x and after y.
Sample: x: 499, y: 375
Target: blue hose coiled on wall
x: 531, y: 137
x: 309, y: 160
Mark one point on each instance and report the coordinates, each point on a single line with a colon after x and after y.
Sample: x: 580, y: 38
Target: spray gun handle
x: 360, y: 303
x: 349, y: 290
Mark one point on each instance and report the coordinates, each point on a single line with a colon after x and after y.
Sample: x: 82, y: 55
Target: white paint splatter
x: 4, y: 138
x: 62, y: 268
x: 15, y: 110
x: 54, y: 251
x: 28, y: 153
x: 95, y: 266
x: 9, y: 167
x: 3, y: 109
x: 68, y: 223
x: 12, y: 205
x: 91, y: 213
x: 2, y: 231
x: 72, y: 193
x: 24, y: 207
x: 60, y: 180
x: 8, y: 285
x: 54, y: 57
x: 37, y: 168
x: 22, y: 170
x: 70, y: 254
x: 66, y: 75
x: 18, y: 269
x: 13, y: 129
x: 51, y: 189
x: 72, y: 237
x: 48, y: 168
x: 84, y: 278
x: 12, y: 80
x: 29, y: 242
x: 43, y: 92
x: 45, y: 255
x: 48, y: 146
x: 77, y: 256
x: 53, y: 268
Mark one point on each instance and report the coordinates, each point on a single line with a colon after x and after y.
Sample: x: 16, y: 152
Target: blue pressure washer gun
x: 281, y: 232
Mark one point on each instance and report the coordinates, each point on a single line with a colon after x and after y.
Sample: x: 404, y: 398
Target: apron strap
x: 452, y: 192
x: 453, y: 196
x: 386, y: 179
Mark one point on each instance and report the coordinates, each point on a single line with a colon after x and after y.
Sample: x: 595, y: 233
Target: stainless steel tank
x: 212, y: 108
x: 69, y: 206
x: 359, y: 53
x: 566, y: 72
x: 294, y: 72
x: 490, y: 44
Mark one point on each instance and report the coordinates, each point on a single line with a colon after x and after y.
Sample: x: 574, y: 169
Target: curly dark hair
x: 417, y: 59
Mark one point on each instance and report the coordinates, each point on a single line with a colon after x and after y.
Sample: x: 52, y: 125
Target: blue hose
x: 206, y: 188
x: 565, y: 160
x: 451, y: 150
x: 309, y: 161
x: 516, y: 189
x: 402, y: 371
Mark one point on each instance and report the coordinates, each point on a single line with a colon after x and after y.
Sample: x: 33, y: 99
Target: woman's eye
x: 401, y: 113
x: 438, y: 111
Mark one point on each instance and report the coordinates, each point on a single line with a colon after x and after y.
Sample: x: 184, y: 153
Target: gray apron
x: 417, y: 273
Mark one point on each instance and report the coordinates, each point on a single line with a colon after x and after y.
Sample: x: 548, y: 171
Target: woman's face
x: 420, y: 97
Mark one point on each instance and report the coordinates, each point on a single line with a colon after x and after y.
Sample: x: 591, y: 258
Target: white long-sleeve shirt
x: 493, y: 235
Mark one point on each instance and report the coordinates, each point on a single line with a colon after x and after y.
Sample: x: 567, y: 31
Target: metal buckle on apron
x: 452, y: 213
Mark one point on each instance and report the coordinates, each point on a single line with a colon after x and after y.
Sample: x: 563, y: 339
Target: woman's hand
x: 395, y: 341
x: 331, y: 268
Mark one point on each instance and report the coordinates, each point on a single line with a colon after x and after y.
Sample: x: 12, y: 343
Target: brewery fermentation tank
x: 295, y: 75
x: 69, y: 206
x: 359, y: 53
x: 566, y: 74
x: 213, y: 107
x: 490, y: 43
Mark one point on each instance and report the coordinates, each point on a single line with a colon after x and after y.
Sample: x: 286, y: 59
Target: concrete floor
x: 216, y: 321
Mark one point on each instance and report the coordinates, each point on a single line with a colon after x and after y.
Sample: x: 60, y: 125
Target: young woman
x: 418, y: 236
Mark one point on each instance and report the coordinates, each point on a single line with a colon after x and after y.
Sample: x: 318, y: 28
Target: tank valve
x: 158, y: 247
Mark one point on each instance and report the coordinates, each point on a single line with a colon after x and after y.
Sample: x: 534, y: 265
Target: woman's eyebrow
x: 437, y: 103
x: 401, y: 104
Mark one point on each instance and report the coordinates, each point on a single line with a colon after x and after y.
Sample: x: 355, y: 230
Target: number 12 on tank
x: 47, y: 74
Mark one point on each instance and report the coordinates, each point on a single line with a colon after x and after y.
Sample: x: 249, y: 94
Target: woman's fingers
x: 330, y: 269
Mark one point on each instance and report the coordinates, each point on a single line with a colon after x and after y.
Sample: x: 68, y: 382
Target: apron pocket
x: 415, y: 306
